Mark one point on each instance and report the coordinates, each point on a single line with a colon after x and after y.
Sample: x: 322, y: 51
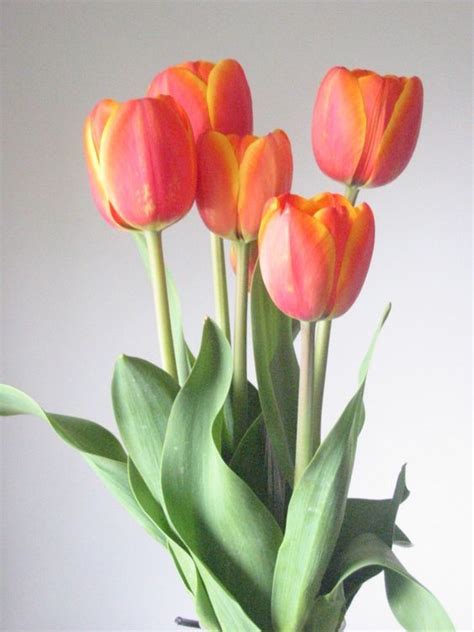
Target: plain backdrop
x: 75, y: 296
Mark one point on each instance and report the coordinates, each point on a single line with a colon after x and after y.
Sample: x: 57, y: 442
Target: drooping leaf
x: 98, y: 446
x: 277, y: 373
x: 315, y: 515
x: 142, y: 396
x: 216, y: 514
x: 415, y: 608
x: 365, y: 516
x: 184, y: 357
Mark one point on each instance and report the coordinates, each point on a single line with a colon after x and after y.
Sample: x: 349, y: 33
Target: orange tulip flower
x: 236, y: 176
x: 365, y: 126
x: 141, y: 159
x: 214, y: 96
x: 314, y: 254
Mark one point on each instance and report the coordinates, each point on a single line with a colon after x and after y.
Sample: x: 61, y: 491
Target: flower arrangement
x: 235, y: 480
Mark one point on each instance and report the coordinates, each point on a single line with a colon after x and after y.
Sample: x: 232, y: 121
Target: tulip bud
x: 314, y: 254
x: 365, y: 126
x: 214, y: 96
x: 141, y: 159
x: 236, y: 176
x: 253, y: 258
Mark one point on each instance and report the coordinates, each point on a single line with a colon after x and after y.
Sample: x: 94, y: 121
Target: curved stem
x: 239, y: 382
x: 220, y: 284
x: 323, y: 333
x: 160, y: 295
x: 304, y: 424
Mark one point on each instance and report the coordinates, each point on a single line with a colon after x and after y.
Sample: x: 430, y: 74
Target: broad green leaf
x: 216, y: 514
x: 277, y: 373
x: 228, y: 610
x: 184, y: 358
x: 400, y: 538
x: 142, y: 396
x: 365, y: 516
x: 315, y: 515
x: 205, y: 611
x: 183, y: 561
x: 415, y: 608
x: 248, y: 461
x: 328, y: 612
x: 98, y: 446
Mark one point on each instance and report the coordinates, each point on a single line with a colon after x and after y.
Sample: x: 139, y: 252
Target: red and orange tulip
x: 365, y: 126
x: 315, y: 253
x: 214, y: 96
x: 141, y: 158
x: 236, y: 176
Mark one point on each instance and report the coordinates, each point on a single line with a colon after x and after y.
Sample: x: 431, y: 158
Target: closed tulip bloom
x: 315, y: 253
x: 214, y: 96
x: 236, y: 177
x: 141, y: 158
x: 365, y: 126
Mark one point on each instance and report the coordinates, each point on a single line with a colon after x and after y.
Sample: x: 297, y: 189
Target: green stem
x: 351, y: 193
x: 304, y: 424
x: 323, y: 333
x: 239, y: 382
x: 220, y: 284
x: 160, y: 295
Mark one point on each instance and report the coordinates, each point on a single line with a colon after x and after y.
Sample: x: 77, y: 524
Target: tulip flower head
x: 365, y: 126
x: 236, y: 177
x: 141, y: 159
x: 315, y: 253
x: 214, y: 96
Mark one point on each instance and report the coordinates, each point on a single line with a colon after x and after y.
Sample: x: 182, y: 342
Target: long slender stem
x: 304, y: 424
x: 220, y: 284
x: 160, y: 295
x: 323, y: 333
x: 239, y: 382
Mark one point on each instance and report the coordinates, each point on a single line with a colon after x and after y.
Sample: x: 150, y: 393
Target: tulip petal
x: 93, y: 128
x: 400, y: 137
x: 229, y: 99
x: 297, y: 257
x: 339, y: 125
x: 265, y: 171
x: 380, y: 95
x: 357, y: 255
x: 148, y: 162
x: 218, y: 184
x: 337, y: 220
x: 201, y: 68
x: 189, y: 90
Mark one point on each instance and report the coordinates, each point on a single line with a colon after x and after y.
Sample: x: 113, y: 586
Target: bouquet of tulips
x: 233, y: 478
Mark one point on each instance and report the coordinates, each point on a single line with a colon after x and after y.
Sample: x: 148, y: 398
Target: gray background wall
x: 74, y: 294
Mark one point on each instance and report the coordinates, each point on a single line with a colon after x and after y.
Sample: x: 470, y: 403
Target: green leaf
x: 277, y: 373
x: 415, y: 608
x: 184, y: 358
x: 142, y: 396
x: 365, y: 516
x: 248, y: 461
x: 400, y: 538
x: 229, y: 612
x: 215, y: 513
x: 98, y: 446
x: 315, y: 514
